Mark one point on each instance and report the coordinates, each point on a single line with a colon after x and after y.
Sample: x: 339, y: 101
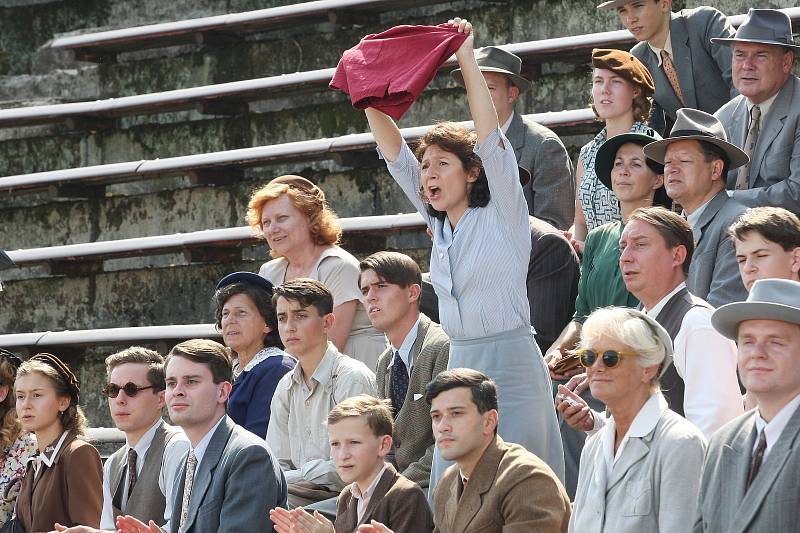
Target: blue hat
x: 245, y: 277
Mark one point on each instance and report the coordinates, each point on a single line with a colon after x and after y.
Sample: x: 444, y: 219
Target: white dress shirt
x: 364, y: 497
x: 405, y: 349
x: 774, y: 427
x: 174, y: 452
x: 706, y: 361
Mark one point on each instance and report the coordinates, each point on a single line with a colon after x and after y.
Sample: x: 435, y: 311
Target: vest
x: 671, y: 318
x: 146, y: 502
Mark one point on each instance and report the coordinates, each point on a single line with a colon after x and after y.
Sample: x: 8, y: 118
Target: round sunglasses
x: 611, y: 358
x: 131, y: 389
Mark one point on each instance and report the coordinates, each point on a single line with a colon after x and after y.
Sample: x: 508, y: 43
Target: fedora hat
x: 607, y: 153
x: 769, y: 299
x: 5, y: 261
x: 700, y: 126
x: 494, y: 59
x: 613, y: 4
x: 764, y: 26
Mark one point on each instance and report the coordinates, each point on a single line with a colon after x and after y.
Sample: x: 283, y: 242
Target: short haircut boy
x: 393, y: 267
x: 307, y: 292
x: 143, y: 356
x: 775, y: 224
x: 206, y: 352
x: 377, y: 413
x: 484, y: 390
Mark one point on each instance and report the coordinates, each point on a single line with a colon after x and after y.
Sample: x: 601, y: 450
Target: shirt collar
x: 694, y: 218
x: 764, y: 106
x: 507, y: 123
x: 264, y: 354
x: 661, y: 303
x: 645, y: 421
x: 667, y: 48
x: 322, y: 374
x: 51, y: 459
x: 774, y: 427
x: 406, y: 348
x: 202, y: 446
x: 356, y: 491
x: 143, y: 445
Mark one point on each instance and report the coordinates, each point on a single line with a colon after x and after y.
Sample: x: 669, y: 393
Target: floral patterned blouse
x: 600, y: 205
x: 12, y: 466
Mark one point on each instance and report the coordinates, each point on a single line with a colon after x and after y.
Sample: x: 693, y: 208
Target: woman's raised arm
x: 386, y: 133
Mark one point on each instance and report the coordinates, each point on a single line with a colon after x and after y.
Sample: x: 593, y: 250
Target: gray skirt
x: 524, y: 393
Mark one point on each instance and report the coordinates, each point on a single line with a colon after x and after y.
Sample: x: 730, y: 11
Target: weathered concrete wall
x: 166, y: 289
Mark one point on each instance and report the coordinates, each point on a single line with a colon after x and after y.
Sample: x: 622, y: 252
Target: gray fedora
x: 765, y: 26
x: 5, y: 261
x: 700, y: 126
x: 769, y: 299
x: 494, y: 59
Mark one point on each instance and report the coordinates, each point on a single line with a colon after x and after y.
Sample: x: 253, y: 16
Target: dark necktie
x: 743, y: 177
x: 132, y: 476
x: 399, y: 382
x: 758, y: 457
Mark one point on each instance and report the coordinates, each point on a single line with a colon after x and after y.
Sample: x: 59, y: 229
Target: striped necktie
x: 191, y: 464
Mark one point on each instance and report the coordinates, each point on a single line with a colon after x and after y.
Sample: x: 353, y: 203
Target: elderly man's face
x: 760, y: 70
x: 769, y: 352
x: 688, y: 177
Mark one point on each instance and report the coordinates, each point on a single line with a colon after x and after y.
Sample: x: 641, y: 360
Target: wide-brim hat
x: 245, y: 277
x: 662, y: 335
x: 693, y: 124
x: 5, y: 261
x: 763, y: 26
x: 494, y: 59
x: 613, y: 4
x: 769, y: 299
x: 607, y: 153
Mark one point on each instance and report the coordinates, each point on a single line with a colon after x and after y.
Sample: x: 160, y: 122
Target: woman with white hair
x: 641, y: 472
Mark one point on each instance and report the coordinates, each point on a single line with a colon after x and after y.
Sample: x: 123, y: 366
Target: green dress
x: 601, y: 282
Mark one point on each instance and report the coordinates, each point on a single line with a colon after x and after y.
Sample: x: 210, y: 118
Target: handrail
x: 94, y: 337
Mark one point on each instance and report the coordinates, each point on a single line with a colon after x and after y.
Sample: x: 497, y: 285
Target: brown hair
x: 376, y: 413
x: 484, y: 390
x: 671, y: 226
x: 308, y: 199
x: 775, y: 224
x: 641, y: 107
x: 139, y: 355
x: 307, y: 292
x: 460, y: 142
x: 72, y: 418
x: 206, y: 352
x: 10, y: 429
x: 392, y: 267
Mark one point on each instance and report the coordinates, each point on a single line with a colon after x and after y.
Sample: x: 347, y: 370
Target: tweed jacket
x: 774, y: 178
x: 510, y: 490
x: 772, y: 503
x: 704, y: 69
x: 236, y: 484
x: 69, y: 492
x: 412, y: 450
x: 551, y: 191
x: 714, y: 272
x: 397, y: 503
x: 654, y: 484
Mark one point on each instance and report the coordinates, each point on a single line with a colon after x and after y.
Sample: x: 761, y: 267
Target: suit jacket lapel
x: 771, y: 126
x: 516, y: 135
x: 177, y: 502
x: 710, y: 211
x: 636, y: 449
x: 387, y: 481
x: 735, y: 463
x: 480, y: 481
x: 203, y: 476
x: 773, y: 466
x: 682, y: 57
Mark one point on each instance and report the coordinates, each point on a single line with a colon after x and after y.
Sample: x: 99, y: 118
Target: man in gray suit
x: 696, y: 157
x: 752, y: 464
x: 229, y: 480
x: 687, y: 70
x: 550, y: 193
x: 391, y: 285
x: 765, y: 120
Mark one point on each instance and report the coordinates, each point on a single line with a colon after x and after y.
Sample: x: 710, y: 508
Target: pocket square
x: 417, y: 397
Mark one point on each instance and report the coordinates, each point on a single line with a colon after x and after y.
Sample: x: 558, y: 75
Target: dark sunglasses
x: 131, y: 389
x: 611, y: 358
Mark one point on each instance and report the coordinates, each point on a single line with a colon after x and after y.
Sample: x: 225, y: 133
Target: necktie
x: 191, y: 463
x: 672, y: 75
x: 132, y: 476
x: 758, y: 456
x: 399, y: 382
x: 743, y: 178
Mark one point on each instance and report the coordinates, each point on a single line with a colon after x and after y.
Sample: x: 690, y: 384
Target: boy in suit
x: 360, y: 434
x: 229, y: 479
x: 418, y: 351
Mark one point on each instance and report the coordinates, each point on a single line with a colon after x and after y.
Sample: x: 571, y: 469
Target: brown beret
x: 625, y: 65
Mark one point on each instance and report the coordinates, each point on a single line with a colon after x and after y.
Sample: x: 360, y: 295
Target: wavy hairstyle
x: 307, y: 198
x: 10, y: 429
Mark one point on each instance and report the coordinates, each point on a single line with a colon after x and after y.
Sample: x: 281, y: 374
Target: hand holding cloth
x: 387, y: 71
